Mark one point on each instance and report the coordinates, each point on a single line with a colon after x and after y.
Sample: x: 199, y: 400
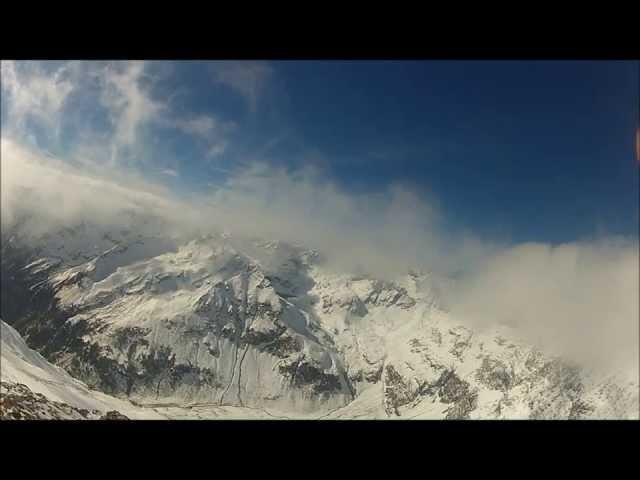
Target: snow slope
x: 21, y: 365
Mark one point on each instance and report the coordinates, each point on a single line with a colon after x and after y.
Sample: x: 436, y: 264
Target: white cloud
x: 581, y: 298
x: 121, y: 90
x: 202, y: 125
x: 33, y: 93
x: 130, y: 105
x: 248, y: 78
x: 216, y: 149
x: 209, y: 129
x: 40, y: 91
x: 384, y: 233
x: 170, y: 172
x: 53, y: 194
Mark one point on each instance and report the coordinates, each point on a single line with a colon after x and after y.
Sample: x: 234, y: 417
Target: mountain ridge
x: 223, y: 320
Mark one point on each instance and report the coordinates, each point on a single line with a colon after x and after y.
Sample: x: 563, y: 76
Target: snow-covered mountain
x: 215, y: 325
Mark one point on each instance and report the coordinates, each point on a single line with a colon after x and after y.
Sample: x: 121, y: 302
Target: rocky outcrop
x: 18, y: 402
x: 397, y: 391
x: 495, y: 374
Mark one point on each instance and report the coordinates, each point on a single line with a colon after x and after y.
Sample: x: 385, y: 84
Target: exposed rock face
x: 495, y: 374
x: 453, y: 390
x: 235, y: 322
x: 397, y: 392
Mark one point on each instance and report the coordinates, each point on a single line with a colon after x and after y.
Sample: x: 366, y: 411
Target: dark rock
x: 302, y: 373
x: 113, y: 415
x: 18, y: 402
x: 495, y: 374
x: 451, y: 387
x: 397, y: 392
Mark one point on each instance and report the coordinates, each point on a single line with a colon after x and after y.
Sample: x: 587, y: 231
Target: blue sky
x: 514, y: 150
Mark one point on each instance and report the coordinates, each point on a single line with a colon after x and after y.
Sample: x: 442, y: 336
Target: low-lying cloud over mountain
x: 580, y: 298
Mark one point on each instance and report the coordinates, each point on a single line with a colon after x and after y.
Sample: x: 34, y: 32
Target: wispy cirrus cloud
x: 212, y: 131
x: 248, y: 78
x: 120, y: 93
x: 34, y: 94
x: 170, y: 172
x: 129, y: 104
